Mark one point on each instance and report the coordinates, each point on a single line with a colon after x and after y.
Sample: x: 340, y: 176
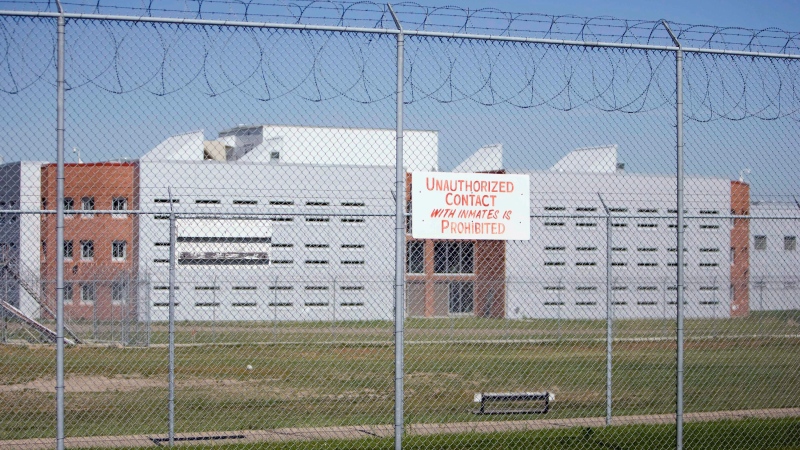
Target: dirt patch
x: 119, y: 383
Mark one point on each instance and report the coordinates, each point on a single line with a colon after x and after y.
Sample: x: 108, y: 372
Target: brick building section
x: 740, y: 242
x: 104, y: 182
x: 427, y: 292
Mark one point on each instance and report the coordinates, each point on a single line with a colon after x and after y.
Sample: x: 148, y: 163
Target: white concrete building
x: 774, y: 256
x: 325, y: 193
x: 561, y: 271
x: 308, y: 234
x: 287, y: 144
x: 20, y: 242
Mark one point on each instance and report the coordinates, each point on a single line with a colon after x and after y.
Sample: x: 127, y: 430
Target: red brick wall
x: 488, y: 278
x: 740, y: 239
x: 103, y: 181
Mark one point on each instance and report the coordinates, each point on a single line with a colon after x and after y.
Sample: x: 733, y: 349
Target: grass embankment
x: 322, y: 380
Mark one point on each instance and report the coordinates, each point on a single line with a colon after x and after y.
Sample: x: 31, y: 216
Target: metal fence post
x: 399, y: 263
x: 679, y: 377
x: 171, y: 400
x: 679, y: 250
x: 333, y: 322
x: 60, y: 232
x: 609, y: 311
x: 94, y: 316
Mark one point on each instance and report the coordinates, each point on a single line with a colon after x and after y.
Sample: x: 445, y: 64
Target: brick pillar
x: 740, y: 246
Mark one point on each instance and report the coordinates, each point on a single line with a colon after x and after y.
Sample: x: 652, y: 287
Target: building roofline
x: 615, y: 174
x: 245, y: 127
x: 263, y: 164
x: 96, y: 164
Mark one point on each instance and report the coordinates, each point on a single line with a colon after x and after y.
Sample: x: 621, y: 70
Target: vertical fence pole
x: 94, y: 316
x: 171, y: 400
x: 60, y: 232
x: 679, y: 377
x: 333, y: 322
x: 680, y: 274
x: 400, y: 238
x: 609, y: 311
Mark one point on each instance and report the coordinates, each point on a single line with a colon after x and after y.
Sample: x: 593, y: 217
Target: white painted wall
x: 774, y: 271
x: 334, y: 146
x: 561, y: 271
x: 20, y: 189
x: 299, y: 291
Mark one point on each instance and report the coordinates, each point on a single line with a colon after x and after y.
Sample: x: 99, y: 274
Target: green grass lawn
x: 783, y: 434
x: 433, y: 329
x: 307, y: 375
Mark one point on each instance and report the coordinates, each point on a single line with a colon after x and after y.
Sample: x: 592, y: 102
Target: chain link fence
x: 224, y: 229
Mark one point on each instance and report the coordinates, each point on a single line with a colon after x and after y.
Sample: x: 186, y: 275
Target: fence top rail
x: 329, y: 213
x: 420, y: 33
x: 448, y: 18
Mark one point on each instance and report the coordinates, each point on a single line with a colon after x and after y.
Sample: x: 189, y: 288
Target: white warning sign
x: 470, y: 206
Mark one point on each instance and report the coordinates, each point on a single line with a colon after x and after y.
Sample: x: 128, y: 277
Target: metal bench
x: 485, y: 397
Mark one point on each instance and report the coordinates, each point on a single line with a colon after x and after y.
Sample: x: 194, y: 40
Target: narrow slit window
x: 353, y: 262
x: 316, y: 262
x: 554, y: 288
x: 317, y: 246
x: 351, y: 288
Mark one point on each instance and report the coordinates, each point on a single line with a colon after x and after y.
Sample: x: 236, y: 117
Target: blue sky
x: 203, y: 92
x: 784, y: 14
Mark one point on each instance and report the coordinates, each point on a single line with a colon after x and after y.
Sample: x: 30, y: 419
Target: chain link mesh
x: 271, y: 154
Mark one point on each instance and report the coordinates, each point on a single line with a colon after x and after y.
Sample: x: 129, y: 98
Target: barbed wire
x: 126, y: 56
x: 416, y: 16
